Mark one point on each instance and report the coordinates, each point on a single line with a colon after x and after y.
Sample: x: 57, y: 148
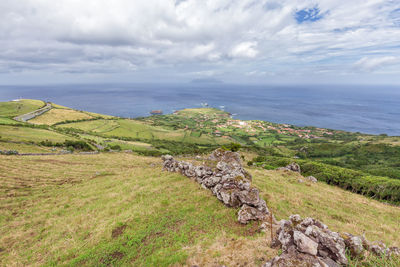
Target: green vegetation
x: 104, y: 209
x: 19, y: 133
x: 381, y: 188
x: 57, y: 115
x: 121, y: 209
x: 22, y: 106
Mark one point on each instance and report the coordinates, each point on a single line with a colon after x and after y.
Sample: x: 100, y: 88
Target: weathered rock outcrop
x: 225, y: 176
x: 309, y: 242
x: 294, y: 167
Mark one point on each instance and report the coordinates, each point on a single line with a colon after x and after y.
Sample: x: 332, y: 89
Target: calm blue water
x: 364, y: 109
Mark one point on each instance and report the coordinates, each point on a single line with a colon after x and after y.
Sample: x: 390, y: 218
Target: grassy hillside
x: 121, y: 209
x: 28, y: 134
x: 56, y: 115
x: 22, y: 106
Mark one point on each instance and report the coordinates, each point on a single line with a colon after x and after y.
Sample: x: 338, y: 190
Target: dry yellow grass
x: 56, y: 115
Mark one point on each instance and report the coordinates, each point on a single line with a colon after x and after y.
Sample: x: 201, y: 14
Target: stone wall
x: 224, y: 175
x: 309, y: 242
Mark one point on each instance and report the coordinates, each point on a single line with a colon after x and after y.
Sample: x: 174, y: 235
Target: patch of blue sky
x: 395, y: 16
x: 308, y: 15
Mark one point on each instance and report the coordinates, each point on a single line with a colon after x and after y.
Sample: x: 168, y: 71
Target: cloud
x: 169, y: 38
x: 245, y: 49
x: 374, y: 63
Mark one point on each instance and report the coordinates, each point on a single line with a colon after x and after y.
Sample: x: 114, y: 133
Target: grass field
x: 121, y: 209
x: 341, y: 210
x: 105, y: 209
x: 5, y: 120
x: 141, y: 130
x: 15, y: 108
x: 97, y: 126
x: 203, y: 111
x: 26, y: 134
x: 24, y: 148
x: 56, y: 115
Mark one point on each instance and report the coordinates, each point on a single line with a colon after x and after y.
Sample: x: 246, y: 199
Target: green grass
x: 27, y: 134
x: 341, y: 210
x: 24, y: 148
x: 121, y: 209
x: 5, y: 120
x: 104, y: 209
x: 141, y: 130
x: 15, y: 108
x: 97, y: 126
x: 202, y: 111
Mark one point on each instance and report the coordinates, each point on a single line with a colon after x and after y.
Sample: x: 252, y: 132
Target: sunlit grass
x: 56, y: 115
x: 122, y: 209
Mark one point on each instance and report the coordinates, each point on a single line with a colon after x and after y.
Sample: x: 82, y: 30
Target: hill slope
x: 121, y: 209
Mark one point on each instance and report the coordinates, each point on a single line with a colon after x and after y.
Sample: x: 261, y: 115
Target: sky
x: 180, y: 41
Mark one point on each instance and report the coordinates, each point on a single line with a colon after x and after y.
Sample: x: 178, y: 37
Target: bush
x: 81, y: 145
x: 378, y: 187
x: 234, y: 147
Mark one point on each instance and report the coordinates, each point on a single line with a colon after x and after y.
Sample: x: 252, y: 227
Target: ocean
x: 366, y: 109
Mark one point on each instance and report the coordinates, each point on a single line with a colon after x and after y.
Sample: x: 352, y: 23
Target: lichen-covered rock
x: 248, y: 213
x: 310, y: 242
x: 354, y: 244
x: 294, y: 167
x: 227, y: 180
x: 312, y: 179
x: 305, y: 244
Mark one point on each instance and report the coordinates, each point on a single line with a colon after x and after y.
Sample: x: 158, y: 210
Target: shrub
x: 378, y: 187
x: 234, y: 147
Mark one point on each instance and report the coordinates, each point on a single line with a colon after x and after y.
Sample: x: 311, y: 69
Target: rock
x: 294, y: 167
x: 392, y: 251
x: 354, y: 244
x: 247, y: 214
x: 300, y: 181
x: 378, y: 248
x: 295, y: 219
x: 305, y: 244
x: 312, y: 179
x: 309, y: 242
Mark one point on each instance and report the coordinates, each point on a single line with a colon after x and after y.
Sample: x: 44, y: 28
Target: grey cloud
x: 232, y: 38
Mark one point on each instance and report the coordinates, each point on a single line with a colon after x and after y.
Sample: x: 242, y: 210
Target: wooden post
x: 270, y: 225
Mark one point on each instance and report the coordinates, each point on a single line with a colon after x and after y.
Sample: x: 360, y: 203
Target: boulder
x: 312, y: 179
x: 294, y: 167
x: 309, y: 242
x: 305, y: 244
x: 248, y: 213
x: 354, y: 244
